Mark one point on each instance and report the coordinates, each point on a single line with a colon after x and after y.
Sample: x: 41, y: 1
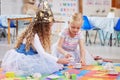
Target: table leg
x: 8, y: 31
x: 16, y: 28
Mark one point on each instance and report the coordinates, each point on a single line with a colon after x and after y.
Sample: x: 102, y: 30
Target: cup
x: 78, y: 65
x: 71, y: 59
x: 113, y: 71
x: 100, y: 61
x: 72, y: 62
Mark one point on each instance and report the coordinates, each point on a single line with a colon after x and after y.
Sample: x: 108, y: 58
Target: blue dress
x: 30, y: 62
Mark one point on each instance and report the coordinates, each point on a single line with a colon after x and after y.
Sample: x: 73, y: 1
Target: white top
x: 42, y: 62
x: 39, y: 48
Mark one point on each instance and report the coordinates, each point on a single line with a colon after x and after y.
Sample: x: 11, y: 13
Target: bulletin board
x: 63, y: 9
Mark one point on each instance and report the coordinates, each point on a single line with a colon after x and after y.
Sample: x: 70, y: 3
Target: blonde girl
x: 71, y: 42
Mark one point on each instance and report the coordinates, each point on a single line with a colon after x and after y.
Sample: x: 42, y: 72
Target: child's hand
x: 82, y: 61
x: 68, y: 55
x: 97, y: 58
x: 63, y: 61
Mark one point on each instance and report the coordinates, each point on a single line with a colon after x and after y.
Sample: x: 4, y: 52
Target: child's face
x: 74, y: 28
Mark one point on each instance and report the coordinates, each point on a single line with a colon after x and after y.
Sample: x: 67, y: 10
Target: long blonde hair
x: 39, y: 26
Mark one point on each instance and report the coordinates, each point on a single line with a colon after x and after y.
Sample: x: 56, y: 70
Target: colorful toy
x: 10, y: 74
x: 36, y: 76
x: 73, y: 76
x: 77, y: 65
x: 67, y: 75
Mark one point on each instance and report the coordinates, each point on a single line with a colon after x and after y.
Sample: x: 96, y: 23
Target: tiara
x: 44, y: 13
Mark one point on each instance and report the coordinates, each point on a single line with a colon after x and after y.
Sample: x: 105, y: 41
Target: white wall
x: 117, y: 12
x: 90, y: 7
x: 11, y: 7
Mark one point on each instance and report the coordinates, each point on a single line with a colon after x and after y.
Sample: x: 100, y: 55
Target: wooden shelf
x: 116, y: 3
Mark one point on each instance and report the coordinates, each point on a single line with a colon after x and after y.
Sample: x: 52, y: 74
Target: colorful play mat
x: 90, y: 72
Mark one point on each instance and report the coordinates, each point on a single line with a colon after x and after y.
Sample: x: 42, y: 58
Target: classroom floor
x: 106, y: 51
x: 97, y: 49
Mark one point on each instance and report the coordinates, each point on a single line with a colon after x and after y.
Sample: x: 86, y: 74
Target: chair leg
x: 95, y: 37
x: 115, y: 42
x: 103, y: 43
x: 3, y: 34
x: 0, y: 36
x: 101, y: 37
x: 105, y: 37
x: 110, y: 40
x: 116, y: 38
x: 87, y: 38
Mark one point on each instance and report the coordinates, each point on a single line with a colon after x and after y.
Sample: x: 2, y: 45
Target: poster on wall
x: 98, y: 2
x: 89, y: 2
x: 106, y: 2
x: 63, y: 9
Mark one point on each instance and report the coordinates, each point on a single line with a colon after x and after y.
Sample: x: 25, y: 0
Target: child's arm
x: 60, y: 49
x: 41, y: 52
x: 82, y: 51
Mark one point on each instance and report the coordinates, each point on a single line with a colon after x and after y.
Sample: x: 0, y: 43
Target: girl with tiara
x: 31, y: 53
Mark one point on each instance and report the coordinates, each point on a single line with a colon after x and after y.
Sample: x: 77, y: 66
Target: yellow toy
x: 10, y: 74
